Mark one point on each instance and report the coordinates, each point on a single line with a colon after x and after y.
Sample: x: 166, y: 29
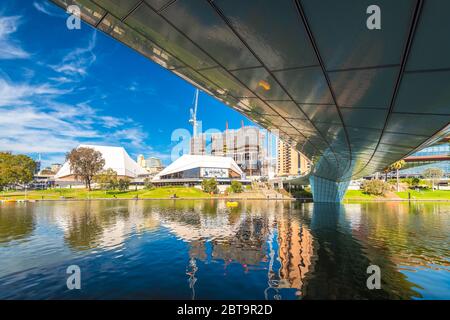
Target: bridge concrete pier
x: 325, y: 190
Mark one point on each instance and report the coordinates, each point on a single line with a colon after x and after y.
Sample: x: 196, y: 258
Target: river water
x: 191, y: 249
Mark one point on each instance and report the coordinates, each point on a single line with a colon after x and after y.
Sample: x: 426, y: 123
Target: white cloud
x: 133, y: 136
x: 18, y: 94
x: 34, y: 121
x: 75, y: 64
x: 60, y: 80
x: 45, y: 8
x: 10, y: 49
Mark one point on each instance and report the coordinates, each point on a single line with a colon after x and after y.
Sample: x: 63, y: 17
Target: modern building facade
x: 152, y: 165
x: 116, y: 158
x: 435, y: 156
x: 193, y: 169
x: 350, y: 97
x: 290, y: 162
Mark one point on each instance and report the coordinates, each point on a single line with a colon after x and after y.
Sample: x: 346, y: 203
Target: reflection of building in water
x: 249, y: 245
x: 201, y: 228
x: 247, y: 240
x: 243, y: 242
x: 296, y: 250
x: 242, y: 239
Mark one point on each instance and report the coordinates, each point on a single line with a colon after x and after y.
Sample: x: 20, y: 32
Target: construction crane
x: 193, y: 111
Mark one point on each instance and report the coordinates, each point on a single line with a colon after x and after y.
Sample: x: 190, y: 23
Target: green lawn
x: 357, y: 194
x: 55, y: 194
x: 181, y: 192
x: 426, y: 194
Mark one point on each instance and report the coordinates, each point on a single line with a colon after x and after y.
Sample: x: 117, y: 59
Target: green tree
x: 123, y: 184
x: 85, y: 163
x: 412, y: 182
x: 236, y: 186
x: 433, y: 174
x: 397, y: 166
x: 107, y: 179
x: 210, y: 185
x: 15, y: 169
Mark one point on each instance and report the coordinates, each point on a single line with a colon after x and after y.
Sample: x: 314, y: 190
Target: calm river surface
x: 186, y: 249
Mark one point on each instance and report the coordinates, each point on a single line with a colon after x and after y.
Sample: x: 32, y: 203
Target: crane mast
x: 193, y: 111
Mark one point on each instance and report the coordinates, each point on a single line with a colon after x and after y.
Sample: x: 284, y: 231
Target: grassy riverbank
x: 57, y: 194
x: 193, y: 193
x: 428, y: 195
x: 156, y: 193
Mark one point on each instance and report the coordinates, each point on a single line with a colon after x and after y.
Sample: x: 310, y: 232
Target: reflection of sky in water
x: 433, y: 282
x: 202, y: 249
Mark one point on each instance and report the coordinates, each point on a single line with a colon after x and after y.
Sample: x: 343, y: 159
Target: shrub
x: 123, y: 184
x: 375, y: 187
x: 412, y: 182
x: 236, y: 186
x: 301, y: 194
x: 148, y: 184
x: 107, y: 179
x: 210, y: 185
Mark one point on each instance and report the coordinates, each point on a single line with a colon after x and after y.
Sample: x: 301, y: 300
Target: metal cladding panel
x: 352, y: 99
x: 288, y: 109
x: 345, y: 42
x: 425, y: 92
x: 261, y: 83
x: 431, y: 48
x: 118, y: 8
x: 369, y: 88
x: 306, y: 85
x: 281, y: 45
x: 204, y: 26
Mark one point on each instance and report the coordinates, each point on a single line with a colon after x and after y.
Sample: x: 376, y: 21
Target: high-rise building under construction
x: 249, y: 146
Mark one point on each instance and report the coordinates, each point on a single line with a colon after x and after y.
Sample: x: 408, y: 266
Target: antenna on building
x: 193, y: 112
x: 242, y: 123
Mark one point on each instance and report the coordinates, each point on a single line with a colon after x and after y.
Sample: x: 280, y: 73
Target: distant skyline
x: 60, y: 88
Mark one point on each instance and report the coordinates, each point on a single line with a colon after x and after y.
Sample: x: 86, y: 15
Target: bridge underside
x: 353, y: 100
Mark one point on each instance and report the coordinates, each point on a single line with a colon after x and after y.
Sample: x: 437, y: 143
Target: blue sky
x: 61, y: 87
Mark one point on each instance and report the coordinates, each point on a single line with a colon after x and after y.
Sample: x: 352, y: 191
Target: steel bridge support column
x: 325, y: 190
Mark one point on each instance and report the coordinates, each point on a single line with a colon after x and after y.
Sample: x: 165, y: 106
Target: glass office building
x: 435, y: 156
